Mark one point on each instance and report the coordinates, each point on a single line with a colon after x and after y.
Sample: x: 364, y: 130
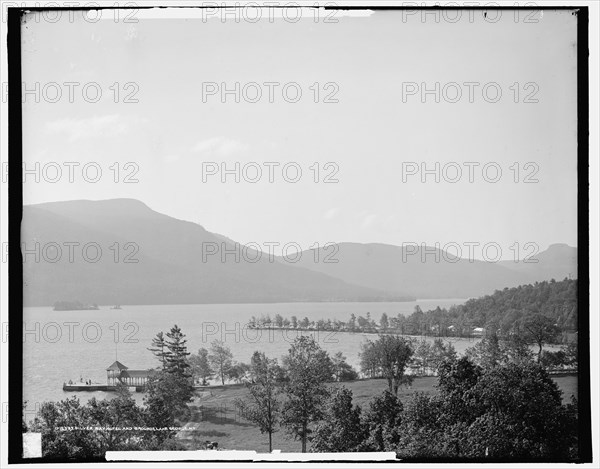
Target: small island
x: 73, y: 306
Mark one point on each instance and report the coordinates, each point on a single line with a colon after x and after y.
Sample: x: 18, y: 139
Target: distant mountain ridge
x: 556, y: 262
x: 435, y: 273
x: 151, y: 258
x: 174, y: 265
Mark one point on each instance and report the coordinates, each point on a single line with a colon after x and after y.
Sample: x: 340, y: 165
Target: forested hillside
x: 509, y: 308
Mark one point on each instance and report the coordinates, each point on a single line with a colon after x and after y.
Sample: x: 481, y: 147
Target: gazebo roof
x: 116, y: 366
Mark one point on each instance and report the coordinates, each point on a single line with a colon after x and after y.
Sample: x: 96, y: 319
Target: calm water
x: 65, y: 345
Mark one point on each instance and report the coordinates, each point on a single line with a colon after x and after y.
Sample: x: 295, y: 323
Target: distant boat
x: 73, y: 306
x: 116, y: 307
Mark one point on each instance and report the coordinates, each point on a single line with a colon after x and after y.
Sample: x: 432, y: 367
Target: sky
x: 370, y: 132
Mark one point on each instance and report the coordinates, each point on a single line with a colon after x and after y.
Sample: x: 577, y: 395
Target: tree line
x: 504, y: 312
x: 217, y: 363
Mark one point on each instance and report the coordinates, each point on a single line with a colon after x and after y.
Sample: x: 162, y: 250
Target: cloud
x: 219, y: 146
x: 106, y: 126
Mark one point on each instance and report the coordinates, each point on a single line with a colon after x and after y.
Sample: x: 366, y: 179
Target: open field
x: 215, y: 416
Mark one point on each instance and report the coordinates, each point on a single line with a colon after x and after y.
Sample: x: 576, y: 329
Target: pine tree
x: 159, y: 349
x: 176, y: 359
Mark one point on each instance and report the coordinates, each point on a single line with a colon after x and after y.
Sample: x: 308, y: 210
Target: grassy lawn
x: 215, y: 417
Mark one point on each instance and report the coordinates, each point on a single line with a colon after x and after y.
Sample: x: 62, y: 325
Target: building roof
x: 116, y: 366
x: 137, y: 373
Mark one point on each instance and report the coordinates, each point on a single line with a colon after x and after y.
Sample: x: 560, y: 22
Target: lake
x: 59, y: 346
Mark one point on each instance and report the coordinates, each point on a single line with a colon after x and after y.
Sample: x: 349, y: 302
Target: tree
x: 342, y: 371
x: 522, y: 414
x: 341, y: 429
x: 176, y: 358
x: 391, y: 354
x: 494, y: 350
x: 170, y: 390
x: 77, y: 443
x: 384, y: 322
x: 420, y: 435
x: 278, y: 320
x: 159, y: 349
x: 381, y: 421
x: 166, y: 399
x: 554, y: 360
x: 304, y: 323
x: 459, y: 376
x: 516, y: 348
x: 200, y: 366
x: 422, y: 356
x: 488, y: 352
x: 220, y: 359
x: 294, y: 322
x: 308, y: 368
x: 238, y: 372
x: 369, y: 360
x: 263, y: 408
x: 510, y: 410
x: 363, y: 323
x: 352, y: 322
x: 572, y: 355
x: 265, y: 320
x: 114, y: 421
x: 541, y: 330
x: 441, y: 352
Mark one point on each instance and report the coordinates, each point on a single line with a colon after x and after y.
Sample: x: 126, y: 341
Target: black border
x: 15, y: 211
x: 15, y: 261
x: 583, y: 238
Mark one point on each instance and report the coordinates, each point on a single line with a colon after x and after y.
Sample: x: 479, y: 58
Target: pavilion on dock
x: 117, y: 373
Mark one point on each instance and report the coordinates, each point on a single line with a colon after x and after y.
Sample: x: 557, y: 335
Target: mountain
x: 559, y: 261
x: 122, y: 252
x: 150, y: 258
x: 433, y: 273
